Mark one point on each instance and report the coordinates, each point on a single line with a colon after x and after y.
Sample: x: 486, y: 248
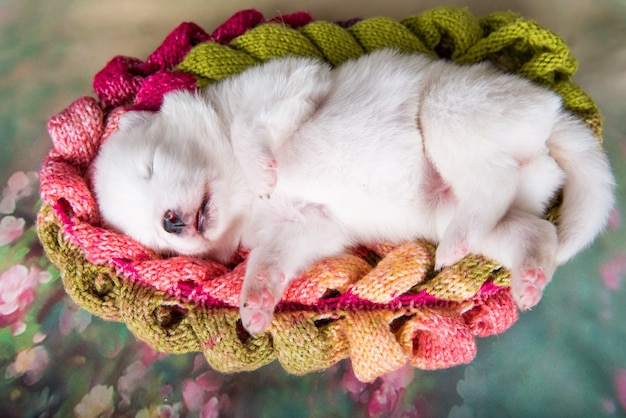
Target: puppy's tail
x: 588, y: 190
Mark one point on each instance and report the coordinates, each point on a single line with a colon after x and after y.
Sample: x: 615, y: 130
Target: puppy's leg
x: 481, y: 175
x: 269, y: 103
x: 285, y: 249
x: 254, y: 151
x: 478, y: 127
x: 481, y: 196
x: 526, y: 244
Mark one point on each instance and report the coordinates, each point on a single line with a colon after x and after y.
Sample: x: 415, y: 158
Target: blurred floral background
x: 565, y: 358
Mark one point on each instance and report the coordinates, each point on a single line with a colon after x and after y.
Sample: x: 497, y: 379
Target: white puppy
x: 298, y: 161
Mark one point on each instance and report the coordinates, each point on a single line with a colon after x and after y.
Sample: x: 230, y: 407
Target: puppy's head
x: 168, y: 180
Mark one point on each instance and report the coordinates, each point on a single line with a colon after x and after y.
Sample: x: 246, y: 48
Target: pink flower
x: 19, y: 185
x: 620, y: 387
x: 400, y: 378
x: 210, y: 381
x: 160, y: 411
x: 193, y: 395
x: 30, y: 363
x: 385, y: 400
x: 147, y: 354
x: 11, y: 228
x: 198, y: 394
x: 73, y: 318
x: 215, y: 406
x: 17, y: 292
x: 211, y: 409
x: 612, y: 270
x: 97, y: 403
x: 129, y: 381
x: 353, y: 385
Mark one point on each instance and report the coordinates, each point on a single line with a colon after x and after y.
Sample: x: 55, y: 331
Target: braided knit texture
x: 382, y: 305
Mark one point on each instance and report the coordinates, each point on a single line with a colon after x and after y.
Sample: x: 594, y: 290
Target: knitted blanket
x: 382, y: 305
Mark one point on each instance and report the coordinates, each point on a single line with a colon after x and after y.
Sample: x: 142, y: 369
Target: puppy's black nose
x: 172, y: 223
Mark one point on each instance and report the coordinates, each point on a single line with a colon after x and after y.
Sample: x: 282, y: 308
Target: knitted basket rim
x: 381, y: 295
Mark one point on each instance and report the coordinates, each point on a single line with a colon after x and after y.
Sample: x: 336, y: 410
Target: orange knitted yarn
x: 382, y: 306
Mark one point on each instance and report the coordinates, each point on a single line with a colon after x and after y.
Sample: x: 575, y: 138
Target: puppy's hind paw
x: 257, y: 310
x: 527, y: 287
x: 447, y: 255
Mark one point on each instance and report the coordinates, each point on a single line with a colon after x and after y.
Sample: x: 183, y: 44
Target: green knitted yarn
x: 512, y: 42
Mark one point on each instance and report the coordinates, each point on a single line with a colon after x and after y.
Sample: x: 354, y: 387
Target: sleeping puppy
x: 298, y: 161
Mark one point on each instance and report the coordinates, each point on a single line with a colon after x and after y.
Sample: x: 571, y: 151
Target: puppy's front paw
x: 449, y: 253
x: 256, y: 311
x: 261, y: 293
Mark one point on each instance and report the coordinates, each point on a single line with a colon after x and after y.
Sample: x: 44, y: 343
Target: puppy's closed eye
x: 148, y: 169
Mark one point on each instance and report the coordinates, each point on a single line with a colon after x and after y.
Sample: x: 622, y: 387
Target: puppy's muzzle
x: 172, y: 222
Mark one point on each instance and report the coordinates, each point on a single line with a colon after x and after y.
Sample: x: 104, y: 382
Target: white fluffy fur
x: 297, y: 162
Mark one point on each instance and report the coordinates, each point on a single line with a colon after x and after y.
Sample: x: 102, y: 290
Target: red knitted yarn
x: 237, y: 25
x: 150, y: 94
x: 293, y: 20
x: 124, y: 78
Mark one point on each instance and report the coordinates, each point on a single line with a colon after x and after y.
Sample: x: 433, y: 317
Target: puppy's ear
x: 175, y: 99
x: 181, y: 105
x: 134, y: 119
